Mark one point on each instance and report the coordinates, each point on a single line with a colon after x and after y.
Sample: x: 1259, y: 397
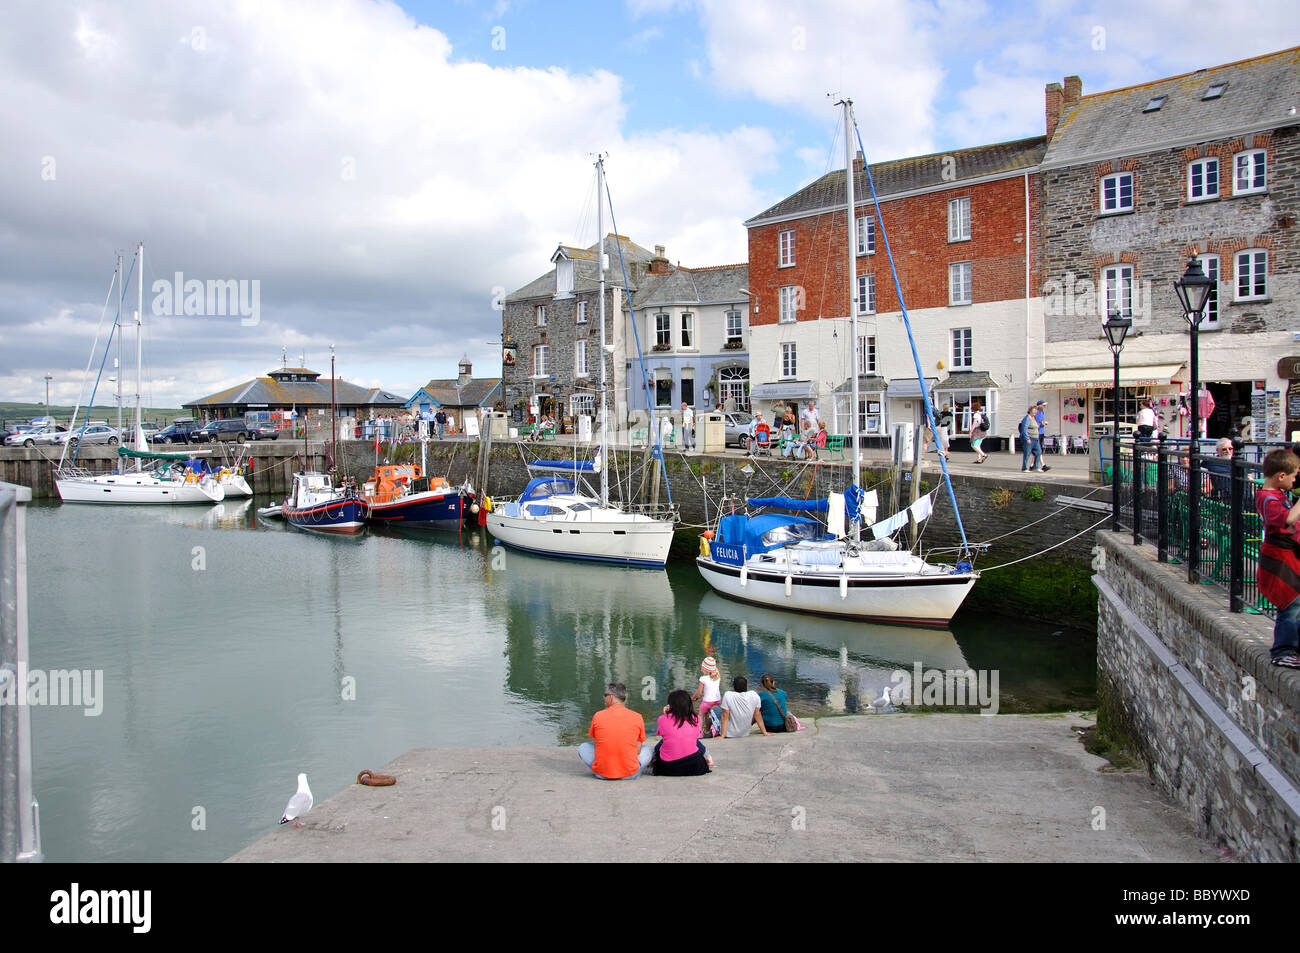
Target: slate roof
x: 586, y: 274
x: 477, y: 392
x: 287, y: 394
x: 909, y: 175
x: 968, y: 380
x: 719, y: 284
x: 1109, y: 124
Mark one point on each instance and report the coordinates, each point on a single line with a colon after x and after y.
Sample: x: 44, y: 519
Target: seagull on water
x: 299, y: 804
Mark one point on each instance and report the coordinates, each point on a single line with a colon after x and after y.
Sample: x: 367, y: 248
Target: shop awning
x: 967, y: 380
x: 782, y: 390
x: 867, y: 384
x: 905, y: 387
x: 1130, y: 375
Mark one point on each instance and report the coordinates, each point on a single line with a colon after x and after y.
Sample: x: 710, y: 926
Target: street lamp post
x: 1116, y: 327
x: 48, y: 378
x: 1193, y: 291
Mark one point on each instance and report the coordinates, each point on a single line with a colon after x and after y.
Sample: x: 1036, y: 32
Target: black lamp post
x: 1193, y: 291
x: 1116, y: 327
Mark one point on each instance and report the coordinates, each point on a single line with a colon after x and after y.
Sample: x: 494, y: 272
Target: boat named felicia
x: 798, y: 563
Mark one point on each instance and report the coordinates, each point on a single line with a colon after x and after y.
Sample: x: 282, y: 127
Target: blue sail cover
x: 741, y: 536
x: 539, y: 488
x: 787, y: 503
x: 579, y: 466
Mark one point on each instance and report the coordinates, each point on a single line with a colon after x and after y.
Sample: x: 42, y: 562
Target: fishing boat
x: 401, y: 495
x: 559, y: 513
x: 156, y: 477
x: 315, y: 503
x: 791, y: 561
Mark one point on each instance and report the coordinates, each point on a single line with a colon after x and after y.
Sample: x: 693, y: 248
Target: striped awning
x: 1130, y: 375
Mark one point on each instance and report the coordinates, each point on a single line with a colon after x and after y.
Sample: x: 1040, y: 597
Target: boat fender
x: 962, y: 567
x: 789, y: 585
x: 704, y: 547
x: 744, y: 576
x: 473, y: 508
x: 844, y: 587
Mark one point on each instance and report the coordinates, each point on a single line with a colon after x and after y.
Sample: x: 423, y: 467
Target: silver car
x: 37, y: 436
x: 93, y: 433
x: 737, y: 427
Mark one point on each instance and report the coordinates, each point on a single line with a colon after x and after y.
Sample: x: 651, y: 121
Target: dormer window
x: 563, y: 278
x: 1215, y: 91
x: 1155, y: 103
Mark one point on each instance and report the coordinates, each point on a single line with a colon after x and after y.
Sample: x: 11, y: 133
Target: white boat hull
x: 629, y: 541
x: 236, y: 486
x: 924, y: 598
x: 135, y: 488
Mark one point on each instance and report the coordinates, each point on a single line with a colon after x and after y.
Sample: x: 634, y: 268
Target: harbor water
x: 231, y: 655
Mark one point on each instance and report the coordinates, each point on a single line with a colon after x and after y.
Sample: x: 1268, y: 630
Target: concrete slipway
x: 896, y: 787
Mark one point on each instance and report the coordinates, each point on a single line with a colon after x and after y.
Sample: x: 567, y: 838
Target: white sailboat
x: 167, y: 480
x: 557, y: 515
x: 796, y: 562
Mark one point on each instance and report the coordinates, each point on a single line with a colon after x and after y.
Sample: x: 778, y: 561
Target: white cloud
x: 793, y: 53
x: 336, y: 151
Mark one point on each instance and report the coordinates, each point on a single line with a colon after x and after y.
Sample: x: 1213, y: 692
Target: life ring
x: 190, y: 477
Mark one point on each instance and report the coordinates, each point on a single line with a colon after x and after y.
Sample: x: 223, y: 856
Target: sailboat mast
x: 853, y: 294
x: 139, y: 347
x: 117, y: 361
x: 334, y: 427
x: 600, y: 258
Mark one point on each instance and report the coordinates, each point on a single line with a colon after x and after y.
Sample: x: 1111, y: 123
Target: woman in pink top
x: 680, y: 753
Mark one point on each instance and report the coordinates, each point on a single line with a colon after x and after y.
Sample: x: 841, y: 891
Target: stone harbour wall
x: 1189, y: 686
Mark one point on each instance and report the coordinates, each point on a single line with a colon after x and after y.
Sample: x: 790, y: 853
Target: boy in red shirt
x: 619, y: 750
x: 1279, y: 556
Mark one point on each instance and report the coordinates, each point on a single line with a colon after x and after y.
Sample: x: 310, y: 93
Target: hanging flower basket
x: 663, y: 347
x: 734, y: 345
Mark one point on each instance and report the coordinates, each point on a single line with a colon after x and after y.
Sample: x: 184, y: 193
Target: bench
x: 835, y: 445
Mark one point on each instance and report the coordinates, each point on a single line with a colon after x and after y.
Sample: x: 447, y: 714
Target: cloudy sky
x: 382, y: 169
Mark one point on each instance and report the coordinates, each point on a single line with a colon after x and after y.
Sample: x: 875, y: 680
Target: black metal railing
x: 1163, y: 505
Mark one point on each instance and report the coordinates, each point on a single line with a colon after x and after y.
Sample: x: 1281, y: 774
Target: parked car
x: 92, y: 433
x: 35, y: 436
x: 179, y: 432
x: 234, y: 429
x: 737, y: 427
x: 263, y: 431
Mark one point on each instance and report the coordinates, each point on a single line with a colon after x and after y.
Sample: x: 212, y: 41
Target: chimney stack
x: 659, y: 264
x: 1060, y: 99
x: 859, y: 163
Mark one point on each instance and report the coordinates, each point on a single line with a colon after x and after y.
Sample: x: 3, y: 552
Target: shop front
x: 1082, y: 404
x: 873, y: 420
x: 964, y: 393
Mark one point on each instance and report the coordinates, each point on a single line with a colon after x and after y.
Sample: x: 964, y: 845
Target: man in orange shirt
x: 619, y: 751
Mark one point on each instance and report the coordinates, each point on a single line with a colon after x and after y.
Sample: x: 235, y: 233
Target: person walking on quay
x: 619, y: 750
x: 440, y: 418
x: 688, y: 427
x: 944, y: 423
x: 1029, y: 443
x: 1040, y: 418
x: 979, y: 429
x: 1146, y: 422
x: 1279, y: 555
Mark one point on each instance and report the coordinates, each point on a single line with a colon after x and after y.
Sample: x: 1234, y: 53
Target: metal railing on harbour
x: 20, y: 828
x: 1168, y: 503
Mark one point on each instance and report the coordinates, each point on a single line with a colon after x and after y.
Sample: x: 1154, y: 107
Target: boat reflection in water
x: 571, y: 627
x: 836, y: 665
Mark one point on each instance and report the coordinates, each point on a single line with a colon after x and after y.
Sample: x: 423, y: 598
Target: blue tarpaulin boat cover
x: 749, y: 531
x: 787, y: 503
x: 539, y: 488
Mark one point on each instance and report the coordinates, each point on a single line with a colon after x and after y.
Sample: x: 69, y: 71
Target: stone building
x: 551, y: 336
x: 962, y: 227
x: 1136, y: 182
x: 693, y: 331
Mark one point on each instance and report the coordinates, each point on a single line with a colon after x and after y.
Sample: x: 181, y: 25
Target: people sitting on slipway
x: 741, y: 710
x: 619, y: 750
x: 680, y: 753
